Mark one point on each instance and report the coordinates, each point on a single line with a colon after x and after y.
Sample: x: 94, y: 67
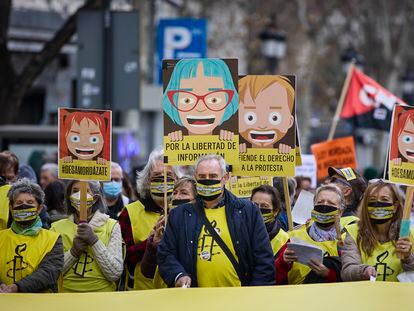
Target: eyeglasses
x: 187, y: 101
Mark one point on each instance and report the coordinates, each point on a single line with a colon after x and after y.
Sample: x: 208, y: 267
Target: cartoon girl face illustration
x: 85, y: 135
x: 265, y: 112
x: 200, y: 95
x: 403, y: 137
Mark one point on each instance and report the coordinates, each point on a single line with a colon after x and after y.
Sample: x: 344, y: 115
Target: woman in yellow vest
x: 267, y: 198
x: 373, y: 248
x: 93, y: 250
x: 31, y: 258
x: 184, y: 192
x: 139, y: 218
x: 329, y: 204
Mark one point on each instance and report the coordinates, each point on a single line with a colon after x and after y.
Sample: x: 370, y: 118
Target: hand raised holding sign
x: 284, y: 148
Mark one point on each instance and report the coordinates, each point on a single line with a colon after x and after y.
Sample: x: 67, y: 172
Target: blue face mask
x: 112, y: 189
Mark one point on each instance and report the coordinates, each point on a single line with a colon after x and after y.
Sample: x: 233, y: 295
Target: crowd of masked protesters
x: 181, y: 226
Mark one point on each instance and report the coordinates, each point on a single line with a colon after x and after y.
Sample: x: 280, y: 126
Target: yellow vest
x: 142, y: 222
x: 158, y: 281
x: 4, y: 206
x: 279, y: 240
x: 214, y: 269
x: 348, y: 220
x: 299, y: 271
x: 85, y: 274
x: 21, y: 255
x: 383, y: 258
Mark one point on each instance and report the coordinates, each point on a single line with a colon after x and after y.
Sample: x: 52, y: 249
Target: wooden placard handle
x: 83, y: 212
x: 287, y: 203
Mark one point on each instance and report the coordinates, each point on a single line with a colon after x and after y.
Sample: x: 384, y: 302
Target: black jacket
x: 177, y: 252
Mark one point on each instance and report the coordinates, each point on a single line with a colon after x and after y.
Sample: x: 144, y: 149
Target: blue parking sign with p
x: 180, y: 38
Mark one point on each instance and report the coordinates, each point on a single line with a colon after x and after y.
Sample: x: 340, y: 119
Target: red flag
x: 367, y: 103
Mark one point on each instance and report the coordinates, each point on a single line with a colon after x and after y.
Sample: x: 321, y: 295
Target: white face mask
x: 75, y: 200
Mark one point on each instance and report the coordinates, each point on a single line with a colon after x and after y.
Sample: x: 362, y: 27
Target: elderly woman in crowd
x: 31, y: 258
x: 373, y: 247
x: 93, y: 250
x: 267, y: 198
x: 139, y: 218
x: 184, y: 192
x: 329, y: 204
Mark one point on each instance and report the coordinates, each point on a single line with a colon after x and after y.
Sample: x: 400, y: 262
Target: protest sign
x: 84, y: 144
x: 308, y: 168
x: 401, y: 151
x: 243, y: 186
x: 200, y: 104
x: 339, y: 152
x: 267, y: 126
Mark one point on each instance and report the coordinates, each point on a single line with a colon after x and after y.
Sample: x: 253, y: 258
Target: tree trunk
x: 13, y: 87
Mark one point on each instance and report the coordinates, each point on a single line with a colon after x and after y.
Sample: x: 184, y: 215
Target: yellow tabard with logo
x: 158, y: 281
x: 21, y: 255
x: 85, y: 275
x: 4, y: 206
x: 299, y: 271
x: 279, y: 240
x: 142, y: 223
x: 348, y: 220
x: 383, y: 259
x: 214, y: 268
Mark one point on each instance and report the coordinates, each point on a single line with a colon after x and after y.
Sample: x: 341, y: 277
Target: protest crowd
x: 183, y: 227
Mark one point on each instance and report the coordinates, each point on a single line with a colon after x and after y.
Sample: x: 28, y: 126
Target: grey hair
x: 116, y: 166
x: 209, y: 157
x: 24, y: 185
x: 97, y: 193
x: 333, y: 188
x: 143, y: 177
x: 52, y: 167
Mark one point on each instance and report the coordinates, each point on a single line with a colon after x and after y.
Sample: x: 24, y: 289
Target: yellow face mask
x: 324, y: 214
x: 24, y: 212
x: 267, y: 215
x: 380, y: 210
x: 157, y: 187
x: 75, y: 200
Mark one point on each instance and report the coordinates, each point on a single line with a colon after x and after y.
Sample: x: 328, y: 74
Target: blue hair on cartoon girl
x: 200, y: 95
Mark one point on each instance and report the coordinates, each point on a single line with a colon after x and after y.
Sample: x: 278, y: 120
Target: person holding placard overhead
x: 220, y: 240
x: 139, y: 218
x: 267, y: 199
x: 321, y: 232
x: 373, y: 248
x: 93, y: 249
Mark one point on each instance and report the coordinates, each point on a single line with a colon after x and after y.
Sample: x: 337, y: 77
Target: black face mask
x: 209, y: 189
x: 177, y: 202
x: 324, y: 215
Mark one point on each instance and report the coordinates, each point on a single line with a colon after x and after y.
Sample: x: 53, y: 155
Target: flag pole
x: 341, y: 100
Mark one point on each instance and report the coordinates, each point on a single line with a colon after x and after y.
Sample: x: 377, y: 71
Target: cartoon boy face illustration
x: 200, y: 95
x: 85, y: 139
x: 265, y: 111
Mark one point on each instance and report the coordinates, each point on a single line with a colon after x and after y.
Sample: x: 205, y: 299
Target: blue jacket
x: 177, y: 252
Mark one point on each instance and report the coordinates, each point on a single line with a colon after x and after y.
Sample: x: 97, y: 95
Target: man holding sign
x: 218, y: 241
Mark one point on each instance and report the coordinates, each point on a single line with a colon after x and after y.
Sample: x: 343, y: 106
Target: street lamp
x: 273, y: 45
x: 349, y: 55
x: 407, y: 81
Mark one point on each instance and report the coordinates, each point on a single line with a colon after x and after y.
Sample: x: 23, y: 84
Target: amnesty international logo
x: 382, y: 268
x: 18, y: 265
x: 83, y: 265
x: 208, y: 247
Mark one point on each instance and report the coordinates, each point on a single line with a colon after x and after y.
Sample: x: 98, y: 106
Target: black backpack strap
x: 221, y: 243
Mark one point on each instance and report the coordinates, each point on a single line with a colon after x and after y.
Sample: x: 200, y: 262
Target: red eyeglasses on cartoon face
x: 186, y: 101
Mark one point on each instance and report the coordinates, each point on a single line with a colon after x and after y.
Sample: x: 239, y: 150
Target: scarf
x: 320, y: 235
x: 28, y: 231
